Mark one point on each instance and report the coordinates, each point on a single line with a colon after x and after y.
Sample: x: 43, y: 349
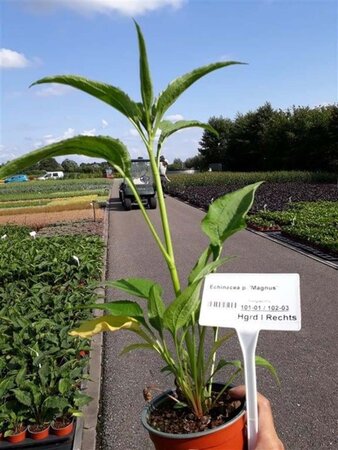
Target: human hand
x: 267, y: 438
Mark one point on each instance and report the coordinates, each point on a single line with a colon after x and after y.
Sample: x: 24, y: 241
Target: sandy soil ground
x: 39, y: 219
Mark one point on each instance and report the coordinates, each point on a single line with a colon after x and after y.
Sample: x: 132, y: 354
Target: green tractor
x: 143, y: 179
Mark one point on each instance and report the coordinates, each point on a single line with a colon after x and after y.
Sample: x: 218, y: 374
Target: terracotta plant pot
x: 61, y: 430
x: 229, y: 436
x: 38, y: 435
x: 19, y: 437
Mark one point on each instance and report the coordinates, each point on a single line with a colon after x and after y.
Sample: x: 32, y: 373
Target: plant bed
x: 270, y: 195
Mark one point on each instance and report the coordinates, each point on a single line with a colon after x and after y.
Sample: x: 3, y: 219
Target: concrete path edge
x: 85, y: 432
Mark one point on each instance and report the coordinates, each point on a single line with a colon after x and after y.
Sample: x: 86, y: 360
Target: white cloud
x: 175, y: 117
x: 53, y: 90
x: 104, y: 123
x: 125, y: 7
x: 91, y: 132
x: 10, y: 59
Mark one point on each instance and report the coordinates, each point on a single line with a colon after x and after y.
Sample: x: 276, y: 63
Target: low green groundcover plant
x: 222, y: 178
x: 43, y: 282
x: 171, y: 331
x: 315, y: 223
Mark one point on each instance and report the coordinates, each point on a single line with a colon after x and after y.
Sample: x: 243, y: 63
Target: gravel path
x: 304, y: 406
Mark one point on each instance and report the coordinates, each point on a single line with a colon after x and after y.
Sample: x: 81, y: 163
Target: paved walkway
x: 305, y: 406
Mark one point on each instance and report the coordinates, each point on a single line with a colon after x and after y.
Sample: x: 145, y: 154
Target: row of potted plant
x: 42, y: 368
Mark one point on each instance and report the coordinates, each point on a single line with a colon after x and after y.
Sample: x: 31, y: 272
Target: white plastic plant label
x: 251, y: 301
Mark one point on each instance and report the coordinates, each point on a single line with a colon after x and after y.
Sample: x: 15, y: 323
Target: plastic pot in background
x: 19, y: 437
x: 60, y: 429
x: 38, y: 435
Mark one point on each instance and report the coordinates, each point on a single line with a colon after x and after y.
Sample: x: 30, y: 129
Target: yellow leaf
x: 105, y: 323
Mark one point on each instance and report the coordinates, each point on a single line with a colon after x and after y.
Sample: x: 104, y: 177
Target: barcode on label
x: 219, y: 304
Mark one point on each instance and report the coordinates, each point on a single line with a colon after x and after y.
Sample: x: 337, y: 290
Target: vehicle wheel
x: 127, y: 204
x: 152, y: 202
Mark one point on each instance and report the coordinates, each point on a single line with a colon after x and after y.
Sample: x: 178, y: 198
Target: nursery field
x: 303, y: 205
x: 42, y: 202
x: 41, y: 365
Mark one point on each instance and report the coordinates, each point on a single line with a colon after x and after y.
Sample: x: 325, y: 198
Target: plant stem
x: 164, y: 220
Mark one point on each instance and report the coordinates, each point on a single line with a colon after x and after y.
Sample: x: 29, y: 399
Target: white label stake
x: 250, y: 302
x: 248, y: 342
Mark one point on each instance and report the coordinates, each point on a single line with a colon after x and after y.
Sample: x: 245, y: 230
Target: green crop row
x: 55, y: 186
x: 315, y: 223
x: 11, y: 197
x: 222, y: 178
x: 44, y: 285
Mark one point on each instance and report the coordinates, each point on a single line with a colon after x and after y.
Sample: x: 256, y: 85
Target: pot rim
x: 157, y: 400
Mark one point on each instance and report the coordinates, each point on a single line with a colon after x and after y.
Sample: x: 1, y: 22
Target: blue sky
x: 290, y: 47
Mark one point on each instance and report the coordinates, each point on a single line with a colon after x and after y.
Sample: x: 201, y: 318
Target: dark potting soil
x: 168, y: 419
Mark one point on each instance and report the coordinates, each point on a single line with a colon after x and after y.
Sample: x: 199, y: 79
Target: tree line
x: 299, y: 138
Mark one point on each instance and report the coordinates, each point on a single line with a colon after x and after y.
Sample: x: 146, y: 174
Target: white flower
x: 4, y: 236
x: 32, y: 234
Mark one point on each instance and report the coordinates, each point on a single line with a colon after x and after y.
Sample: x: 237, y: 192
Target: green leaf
x: 202, y: 261
x: 139, y: 346
x: 180, y: 311
x: 226, y: 214
x: 179, y: 85
x: 210, y: 267
x: 23, y: 397
x: 5, y: 385
x: 21, y: 376
x: 64, y: 386
x: 112, y: 150
x: 168, y: 128
x: 120, y: 308
x: 156, y: 308
x: 223, y: 363
x: 262, y: 362
x: 112, y: 95
x: 81, y: 399
x: 145, y: 78
x: 139, y: 287
x: 57, y: 403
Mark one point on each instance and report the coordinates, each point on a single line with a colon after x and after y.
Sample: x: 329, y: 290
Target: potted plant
x: 15, y: 428
x: 172, y: 331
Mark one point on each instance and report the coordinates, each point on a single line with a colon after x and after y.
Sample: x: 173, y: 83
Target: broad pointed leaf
x: 226, y: 214
x: 120, y: 308
x: 179, y: 85
x: 23, y: 397
x: 145, y: 78
x: 112, y: 95
x: 58, y: 403
x: 112, y: 150
x: 181, y: 310
x: 105, y: 323
x: 168, y: 128
x: 156, y: 308
x: 140, y: 287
